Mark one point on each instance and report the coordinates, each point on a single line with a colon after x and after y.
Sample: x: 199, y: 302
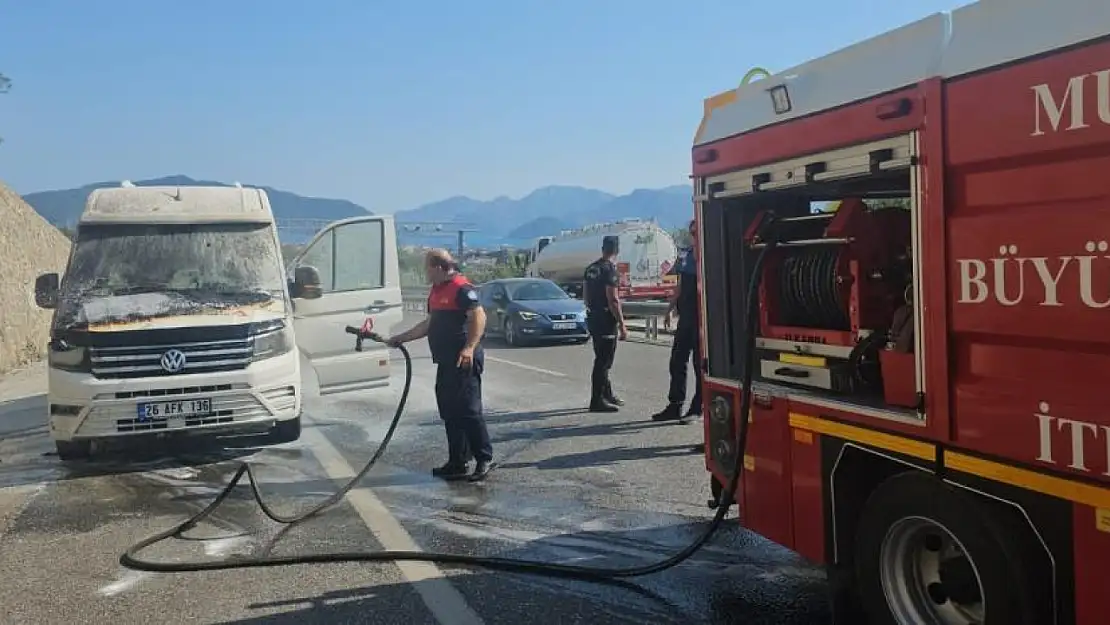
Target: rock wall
x: 29, y: 246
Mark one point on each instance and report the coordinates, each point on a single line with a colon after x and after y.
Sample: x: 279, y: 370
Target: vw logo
x: 173, y: 361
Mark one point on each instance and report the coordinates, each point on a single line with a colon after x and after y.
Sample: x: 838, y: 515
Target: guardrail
x: 648, y: 313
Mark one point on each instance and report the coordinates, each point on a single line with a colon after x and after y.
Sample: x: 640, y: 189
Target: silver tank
x: 648, y: 249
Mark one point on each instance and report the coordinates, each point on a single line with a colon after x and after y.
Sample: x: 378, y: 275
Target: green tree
x: 412, y: 267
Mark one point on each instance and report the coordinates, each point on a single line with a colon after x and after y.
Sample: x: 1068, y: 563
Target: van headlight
x: 272, y: 344
x: 69, y: 357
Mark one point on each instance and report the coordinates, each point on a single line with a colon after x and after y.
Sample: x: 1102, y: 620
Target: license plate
x: 564, y: 325
x: 179, y: 409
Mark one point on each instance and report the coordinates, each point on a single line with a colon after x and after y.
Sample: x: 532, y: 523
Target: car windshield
x: 535, y: 290
x: 159, y: 270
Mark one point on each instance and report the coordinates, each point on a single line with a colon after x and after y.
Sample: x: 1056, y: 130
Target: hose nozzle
x: 361, y: 335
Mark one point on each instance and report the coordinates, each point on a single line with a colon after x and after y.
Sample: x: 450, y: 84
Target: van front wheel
x: 73, y: 450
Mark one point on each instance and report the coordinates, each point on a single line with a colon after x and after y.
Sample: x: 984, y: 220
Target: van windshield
x: 131, y: 272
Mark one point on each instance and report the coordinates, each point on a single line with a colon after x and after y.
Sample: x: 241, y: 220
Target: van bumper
x: 254, y: 399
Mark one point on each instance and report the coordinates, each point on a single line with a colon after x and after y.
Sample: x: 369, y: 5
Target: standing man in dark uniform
x: 605, y: 321
x: 686, y: 339
x: 454, y: 326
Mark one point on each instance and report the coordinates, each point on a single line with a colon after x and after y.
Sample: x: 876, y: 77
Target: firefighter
x: 605, y: 322
x: 685, y: 303
x: 454, y: 327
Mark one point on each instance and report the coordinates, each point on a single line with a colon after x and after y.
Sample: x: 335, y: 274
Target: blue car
x: 532, y: 310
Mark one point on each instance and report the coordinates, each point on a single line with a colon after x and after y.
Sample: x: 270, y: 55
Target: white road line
x: 528, y: 367
x: 14, y: 499
x: 445, y: 602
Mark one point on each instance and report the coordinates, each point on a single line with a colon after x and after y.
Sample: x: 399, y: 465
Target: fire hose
x: 133, y: 560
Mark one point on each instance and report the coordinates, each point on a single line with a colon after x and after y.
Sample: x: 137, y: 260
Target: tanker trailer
x: 647, y: 253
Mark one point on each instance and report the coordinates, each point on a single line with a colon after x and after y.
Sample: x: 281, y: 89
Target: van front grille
x: 172, y: 359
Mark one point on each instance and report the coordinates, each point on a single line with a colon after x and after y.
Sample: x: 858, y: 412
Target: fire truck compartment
x: 837, y: 300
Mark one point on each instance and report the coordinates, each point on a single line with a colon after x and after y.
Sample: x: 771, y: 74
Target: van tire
x: 925, y: 512
x: 73, y: 450
x: 286, y: 431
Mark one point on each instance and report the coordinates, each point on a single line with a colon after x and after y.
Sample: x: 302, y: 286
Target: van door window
x: 321, y: 256
x: 349, y: 258
x: 359, y: 256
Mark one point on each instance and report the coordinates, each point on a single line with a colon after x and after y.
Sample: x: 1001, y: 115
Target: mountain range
x: 502, y: 220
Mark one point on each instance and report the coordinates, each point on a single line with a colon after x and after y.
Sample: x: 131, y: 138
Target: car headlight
x: 68, y: 357
x: 272, y: 344
x: 527, y: 316
x: 581, y: 316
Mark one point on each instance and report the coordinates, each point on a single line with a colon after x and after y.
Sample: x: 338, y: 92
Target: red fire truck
x: 929, y: 214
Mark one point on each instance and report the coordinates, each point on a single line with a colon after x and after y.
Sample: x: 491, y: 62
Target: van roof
x: 177, y: 204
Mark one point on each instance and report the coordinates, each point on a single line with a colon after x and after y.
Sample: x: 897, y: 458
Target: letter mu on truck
x: 928, y: 414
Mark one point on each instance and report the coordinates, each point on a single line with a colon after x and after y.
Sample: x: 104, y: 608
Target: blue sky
x: 395, y: 104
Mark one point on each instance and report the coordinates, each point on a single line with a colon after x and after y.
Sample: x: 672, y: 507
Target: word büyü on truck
x: 928, y: 414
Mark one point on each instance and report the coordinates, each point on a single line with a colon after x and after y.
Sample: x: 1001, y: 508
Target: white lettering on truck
x: 1080, y: 433
x: 1045, y: 104
x: 1006, y: 278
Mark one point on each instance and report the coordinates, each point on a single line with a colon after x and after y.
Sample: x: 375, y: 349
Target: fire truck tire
x: 926, y: 553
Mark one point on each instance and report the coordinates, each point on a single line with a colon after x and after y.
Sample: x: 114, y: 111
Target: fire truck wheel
x: 926, y: 553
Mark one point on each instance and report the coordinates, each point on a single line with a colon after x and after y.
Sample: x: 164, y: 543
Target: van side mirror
x: 46, y: 290
x: 306, y: 283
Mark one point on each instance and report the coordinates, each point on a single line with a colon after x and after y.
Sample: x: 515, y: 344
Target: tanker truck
x: 647, y: 254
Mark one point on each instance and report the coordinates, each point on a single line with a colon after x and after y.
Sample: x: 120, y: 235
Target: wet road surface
x: 573, y: 487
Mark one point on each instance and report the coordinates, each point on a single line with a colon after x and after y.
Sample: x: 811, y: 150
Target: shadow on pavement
x: 505, y: 416
x: 734, y: 580
x: 569, y: 431
x: 602, y: 457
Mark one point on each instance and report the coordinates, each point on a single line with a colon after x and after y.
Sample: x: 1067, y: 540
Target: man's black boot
x: 451, y: 471
x: 597, y: 398
x: 610, y: 397
x: 600, y: 405
x: 694, y: 410
x: 481, y: 470
x: 673, y: 412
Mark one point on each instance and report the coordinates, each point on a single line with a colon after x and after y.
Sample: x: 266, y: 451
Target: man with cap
x: 605, y: 322
x: 686, y: 340
x: 454, y: 326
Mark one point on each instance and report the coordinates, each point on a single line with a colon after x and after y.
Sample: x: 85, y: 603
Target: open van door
x: 354, y: 274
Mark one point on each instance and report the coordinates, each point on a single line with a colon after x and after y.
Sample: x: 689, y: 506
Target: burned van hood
x: 147, y: 311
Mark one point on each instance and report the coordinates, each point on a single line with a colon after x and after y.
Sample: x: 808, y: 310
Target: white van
x: 175, y: 316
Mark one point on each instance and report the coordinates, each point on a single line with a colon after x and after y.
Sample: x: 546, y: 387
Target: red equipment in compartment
x: 832, y: 274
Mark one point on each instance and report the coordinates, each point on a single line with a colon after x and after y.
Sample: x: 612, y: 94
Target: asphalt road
x: 572, y: 487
